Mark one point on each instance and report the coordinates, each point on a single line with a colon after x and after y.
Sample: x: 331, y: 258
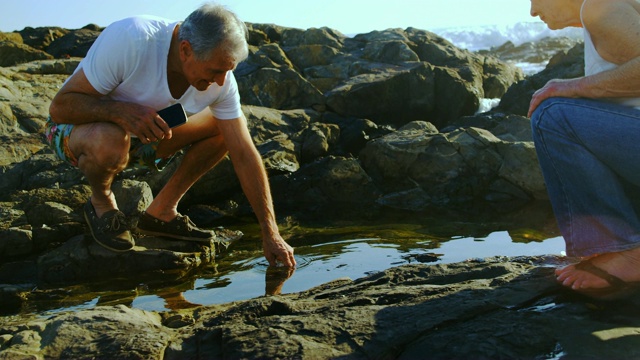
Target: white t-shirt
x: 128, y: 62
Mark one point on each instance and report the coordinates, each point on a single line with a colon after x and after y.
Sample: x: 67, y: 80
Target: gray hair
x: 212, y: 26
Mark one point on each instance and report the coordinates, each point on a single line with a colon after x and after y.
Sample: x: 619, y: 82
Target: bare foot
x: 624, y: 265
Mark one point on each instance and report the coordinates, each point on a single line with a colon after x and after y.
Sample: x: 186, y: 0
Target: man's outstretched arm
x: 255, y: 184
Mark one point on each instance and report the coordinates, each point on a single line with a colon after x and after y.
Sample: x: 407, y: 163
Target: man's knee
x: 106, y: 145
x: 548, y: 109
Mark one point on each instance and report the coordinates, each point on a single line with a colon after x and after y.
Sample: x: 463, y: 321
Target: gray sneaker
x: 181, y: 228
x: 111, y: 230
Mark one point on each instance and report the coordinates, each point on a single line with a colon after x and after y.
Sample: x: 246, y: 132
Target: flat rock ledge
x: 479, y: 309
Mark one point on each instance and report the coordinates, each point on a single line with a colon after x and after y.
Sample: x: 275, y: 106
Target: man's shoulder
x: 142, y: 25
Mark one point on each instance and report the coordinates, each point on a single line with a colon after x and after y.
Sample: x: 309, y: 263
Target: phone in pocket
x: 173, y: 115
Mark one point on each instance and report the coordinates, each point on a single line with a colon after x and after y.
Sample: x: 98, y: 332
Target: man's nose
x: 219, y: 79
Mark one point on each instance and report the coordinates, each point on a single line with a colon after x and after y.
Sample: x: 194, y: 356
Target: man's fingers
x: 289, y: 260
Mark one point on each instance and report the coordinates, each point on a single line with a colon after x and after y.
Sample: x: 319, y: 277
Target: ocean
x: 486, y: 37
x: 493, y: 36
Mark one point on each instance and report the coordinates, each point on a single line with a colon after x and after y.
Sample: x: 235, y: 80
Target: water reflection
x: 324, y: 252
x: 275, y: 279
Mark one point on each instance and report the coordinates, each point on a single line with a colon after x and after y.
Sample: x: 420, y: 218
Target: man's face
x: 203, y: 73
x: 557, y: 14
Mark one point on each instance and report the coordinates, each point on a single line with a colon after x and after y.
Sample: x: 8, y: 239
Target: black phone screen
x: 173, y: 115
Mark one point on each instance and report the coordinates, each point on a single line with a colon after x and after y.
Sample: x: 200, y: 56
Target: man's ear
x: 185, y: 49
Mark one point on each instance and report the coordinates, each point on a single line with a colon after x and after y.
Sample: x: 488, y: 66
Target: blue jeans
x: 589, y: 152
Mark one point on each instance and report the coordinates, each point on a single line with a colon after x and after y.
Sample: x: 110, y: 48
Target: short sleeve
x: 227, y: 106
x: 108, y: 58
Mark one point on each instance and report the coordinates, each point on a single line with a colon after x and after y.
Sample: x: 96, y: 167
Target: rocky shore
x: 347, y: 126
x: 490, y: 309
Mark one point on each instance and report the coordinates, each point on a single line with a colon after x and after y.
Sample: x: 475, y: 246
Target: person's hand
x: 142, y: 121
x: 553, y: 88
x: 278, y: 252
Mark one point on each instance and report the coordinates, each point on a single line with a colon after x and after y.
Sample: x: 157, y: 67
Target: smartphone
x: 173, y: 115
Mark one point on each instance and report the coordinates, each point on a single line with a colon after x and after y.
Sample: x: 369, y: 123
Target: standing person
x: 587, y: 136
x: 105, y: 118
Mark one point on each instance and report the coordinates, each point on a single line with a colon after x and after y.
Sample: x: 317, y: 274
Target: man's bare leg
x: 204, y: 153
x: 102, y: 150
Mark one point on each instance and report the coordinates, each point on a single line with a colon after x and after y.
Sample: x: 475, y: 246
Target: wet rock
x: 81, y: 259
x: 505, y: 307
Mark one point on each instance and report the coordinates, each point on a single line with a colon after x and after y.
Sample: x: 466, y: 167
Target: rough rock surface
x: 495, y: 308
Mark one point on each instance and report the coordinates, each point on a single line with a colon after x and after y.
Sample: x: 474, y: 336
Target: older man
x: 105, y: 118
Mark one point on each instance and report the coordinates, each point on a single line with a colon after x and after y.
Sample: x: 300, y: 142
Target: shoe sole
x: 86, y: 218
x: 177, y: 237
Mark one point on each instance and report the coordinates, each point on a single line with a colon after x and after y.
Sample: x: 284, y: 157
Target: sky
x: 347, y: 16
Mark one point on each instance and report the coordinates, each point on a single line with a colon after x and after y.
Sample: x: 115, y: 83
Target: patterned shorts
x: 141, y: 156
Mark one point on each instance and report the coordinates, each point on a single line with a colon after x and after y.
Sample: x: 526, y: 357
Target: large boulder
x: 74, y: 44
x: 446, y: 169
x: 391, y: 77
x: 564, y: 65
x: 331, y: 185
x: 12, y: 53
x: 391, y: 97
x: 13, y: 37
x: 41, y: 37
x: 278, y: 88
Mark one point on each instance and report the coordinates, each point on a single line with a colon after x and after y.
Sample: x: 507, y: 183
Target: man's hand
x: 141, y: 121
x: 277, y: 251
x: 255, y: 184
x: 78, y: 102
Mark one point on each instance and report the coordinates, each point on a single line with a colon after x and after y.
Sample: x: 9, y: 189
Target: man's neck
x: 177, y: 83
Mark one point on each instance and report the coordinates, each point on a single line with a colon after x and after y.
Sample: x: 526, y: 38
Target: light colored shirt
x: 128, y: 62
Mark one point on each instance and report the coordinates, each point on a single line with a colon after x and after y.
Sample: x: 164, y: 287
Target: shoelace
x: 190, y: 225
x: 185, y: 219
x: 116, y: 222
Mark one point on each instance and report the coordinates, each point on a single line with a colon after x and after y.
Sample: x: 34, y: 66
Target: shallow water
x: 324, y: 251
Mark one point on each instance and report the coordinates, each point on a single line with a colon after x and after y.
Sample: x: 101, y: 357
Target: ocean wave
x: 485, y: 37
